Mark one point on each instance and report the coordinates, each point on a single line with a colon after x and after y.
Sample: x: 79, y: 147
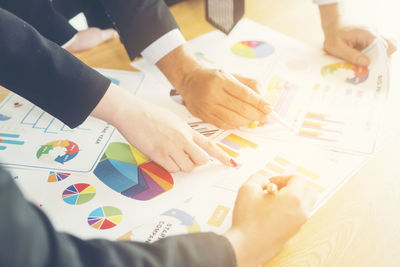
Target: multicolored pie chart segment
x: 104, y: 218
x: 252, y: 49
x: 126, y: 170
x: 360, y: 73
x: 57, y: 176
x: 59, y: 151
x: 78, y: 194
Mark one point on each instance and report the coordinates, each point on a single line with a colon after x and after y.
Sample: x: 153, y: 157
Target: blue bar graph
x: 9, y: 135
x: 11, y: 142
x: 8, y: 141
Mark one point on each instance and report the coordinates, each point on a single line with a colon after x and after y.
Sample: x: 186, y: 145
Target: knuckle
x: 302, y: 216
x: 172, y: 169
x: 295, y: 202
x: 209, y: 143
x: 246, y: 189
x: 224, y: 125
x: 188, y: 168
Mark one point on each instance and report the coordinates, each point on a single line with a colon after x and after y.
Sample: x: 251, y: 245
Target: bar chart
x: 281, y: 166
x: 13, y: 140
x: 232, y: 144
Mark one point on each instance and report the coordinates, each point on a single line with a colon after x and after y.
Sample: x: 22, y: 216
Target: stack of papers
x: 92, y: 183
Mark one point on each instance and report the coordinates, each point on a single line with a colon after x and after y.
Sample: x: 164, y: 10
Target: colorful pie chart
x: 104, y: 218
x: 127, y: 171
x: 354, y: 74
x: 252, y: 49
x: 57, y: 176
x: 78, y: 194
x: 59, y: 151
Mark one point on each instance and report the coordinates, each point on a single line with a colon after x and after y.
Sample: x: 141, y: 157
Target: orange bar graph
x: 313, y: 124
x: 281, y: 161
x: 310, y: 133
x: 316, y: 186
x: 316, y: 115
x: 275, y: 168
x: 228, y: 151
x: 307, y: 173
x: 241, y: 141
x: 219, y: 215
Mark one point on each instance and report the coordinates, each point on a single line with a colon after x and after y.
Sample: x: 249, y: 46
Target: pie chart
x: 78, y: 194
x: 105, y: 217
x: 127, y: 171
x: 59, y: 151
x: 57, y: 176
x: 252, y: 49
x: 348, y: 72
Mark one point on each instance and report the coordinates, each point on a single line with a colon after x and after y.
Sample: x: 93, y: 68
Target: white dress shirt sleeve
x: 163, y: 45
x: 325, y: 2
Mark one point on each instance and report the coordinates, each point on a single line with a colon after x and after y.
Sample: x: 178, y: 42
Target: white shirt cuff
x: 163, y: 45
x: 325, y: 2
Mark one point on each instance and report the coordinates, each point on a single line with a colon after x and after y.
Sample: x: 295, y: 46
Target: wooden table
x: 360, y: 225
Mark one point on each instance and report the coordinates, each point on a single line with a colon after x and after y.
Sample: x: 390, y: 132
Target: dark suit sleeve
x: 139, y: 22
x: 27, y: 238
x: 45, y: 74
x: 43, y: 17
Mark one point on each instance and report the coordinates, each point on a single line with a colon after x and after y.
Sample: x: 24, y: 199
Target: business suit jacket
x: 47, y: 75
x: 139, y: 22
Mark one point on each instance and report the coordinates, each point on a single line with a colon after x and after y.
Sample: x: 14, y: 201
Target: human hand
x: 156, y: 132
x: 89, y: 38
x: 225, y: 100
x: 262, y: 223
x: 347, y: 42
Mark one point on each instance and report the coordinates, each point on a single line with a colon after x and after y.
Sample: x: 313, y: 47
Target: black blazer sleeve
x: 43, y: 17
x: 139, y: 22
x: 45, y: 74
x: 27, y: 238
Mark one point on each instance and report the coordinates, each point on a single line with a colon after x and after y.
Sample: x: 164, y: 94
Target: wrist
x: 331, y: 18
x: 236, y: 238
x: 177, y: 65
x: 114, y: 104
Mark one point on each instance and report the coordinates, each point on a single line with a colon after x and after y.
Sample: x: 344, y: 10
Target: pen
x: 279, y: 119
x: 276, y: 117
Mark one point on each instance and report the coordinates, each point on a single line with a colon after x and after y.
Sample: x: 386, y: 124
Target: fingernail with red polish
x: 233, y: 163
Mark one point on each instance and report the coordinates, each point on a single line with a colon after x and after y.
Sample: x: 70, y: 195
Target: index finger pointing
x: 213, y: 150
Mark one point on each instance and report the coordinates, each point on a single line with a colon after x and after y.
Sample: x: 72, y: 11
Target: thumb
x: 348, y: 53
x: 108, y: 34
